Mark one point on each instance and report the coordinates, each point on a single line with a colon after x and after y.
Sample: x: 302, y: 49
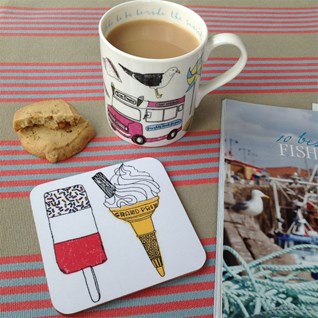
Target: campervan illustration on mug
x: 145, y: 121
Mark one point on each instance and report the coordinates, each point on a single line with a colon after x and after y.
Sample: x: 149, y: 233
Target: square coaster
x: 110, y: 232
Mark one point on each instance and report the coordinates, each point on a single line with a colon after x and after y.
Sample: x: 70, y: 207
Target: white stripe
x: 72, y: 225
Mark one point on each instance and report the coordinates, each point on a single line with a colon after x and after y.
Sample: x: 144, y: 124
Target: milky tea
x: 154, y: 39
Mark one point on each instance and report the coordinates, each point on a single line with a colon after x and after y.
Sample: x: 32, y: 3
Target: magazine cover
x: 268, y: 221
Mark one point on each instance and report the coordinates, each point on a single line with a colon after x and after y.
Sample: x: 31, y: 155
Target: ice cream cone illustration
x: 139, y: 217
x: 132, y: 196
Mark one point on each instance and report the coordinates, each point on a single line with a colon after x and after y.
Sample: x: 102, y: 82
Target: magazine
x: 268, y: 212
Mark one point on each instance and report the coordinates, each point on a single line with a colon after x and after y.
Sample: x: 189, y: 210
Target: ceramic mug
x: 156, y: 112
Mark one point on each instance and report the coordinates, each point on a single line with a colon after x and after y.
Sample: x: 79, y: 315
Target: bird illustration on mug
x: 155, y: 81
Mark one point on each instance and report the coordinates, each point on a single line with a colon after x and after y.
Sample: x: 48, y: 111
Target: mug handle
x: 214, y: 42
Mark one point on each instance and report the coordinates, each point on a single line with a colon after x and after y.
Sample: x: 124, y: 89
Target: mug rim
x: 139, y: 58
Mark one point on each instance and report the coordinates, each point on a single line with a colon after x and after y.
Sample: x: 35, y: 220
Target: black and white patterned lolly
x: 66, y: 200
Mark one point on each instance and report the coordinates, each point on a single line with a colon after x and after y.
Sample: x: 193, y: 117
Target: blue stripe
x: 157, y: 299
x: 85, y: 94
x: 196, y: 176
x: 50, y: 81
x: 177, y: 152
x: 20, y: 266
x: 59, y: 175
x: 62, y: 74
x: 41, y: 31
x: 56, y: 14
x: 25, y: 297
x: 252, y: 83
x: 189, y: 312
x: 276, y: 81
x: 71, y: 10
x: 273, y: 87
x: 92, y: 164
x: 205, y: 77
x: 216, y: 61
x: 264, y: 67
x: 144, y: 300
x: 88, y: 154
x: 183, y: 296
x: 212, y: 73
x: 50, y: 66
x: 269, y: 18
x: 15, y: 20
x: 310, y: 10
x: 235, y: 24
x: 28, y: 188
x: 4, y: 90
x: 209, y: 20
x: 193, y: 312
x: 210, y: 65
x: 102, y: 161
x: 264, y: 75
x: 39, y: 265
x: 211, y: 29
x: 51, y: 25
x: 206, y: 8
x: 23, y: 281
x: 114, y: 143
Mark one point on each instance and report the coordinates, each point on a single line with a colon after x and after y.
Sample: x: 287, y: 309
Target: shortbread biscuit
x: 56, y: 145
x: 53, y: 114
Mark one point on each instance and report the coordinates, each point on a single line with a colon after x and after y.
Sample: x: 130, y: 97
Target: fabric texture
x: 50, y: 50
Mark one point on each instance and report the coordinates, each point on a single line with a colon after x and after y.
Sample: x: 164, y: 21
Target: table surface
x: 50, y: 49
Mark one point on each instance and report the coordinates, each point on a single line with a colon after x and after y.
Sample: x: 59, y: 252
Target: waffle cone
x: 139, y: 217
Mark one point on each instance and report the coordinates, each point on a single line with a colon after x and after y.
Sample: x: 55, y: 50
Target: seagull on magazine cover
x: 252, y: 207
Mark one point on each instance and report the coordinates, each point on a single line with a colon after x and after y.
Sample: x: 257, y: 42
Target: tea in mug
x: 154, y: 39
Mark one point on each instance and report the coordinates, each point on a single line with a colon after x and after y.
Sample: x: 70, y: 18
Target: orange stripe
x: 15, y: 183
x: 123, y: 156
x: 20, y: 259
x: 25, y: 305
x: 114, y: 138
x: 22, y: 273
x: 117, y: 312
x: 92, y: 148
x: 192, y: 171
x: 208, y: 240
x: 24, y: 289
x: 59, y: 169
x: 28, y: 258
x: 26, y: 273
x: 176, y: 183
x: 148, y: 309
x: 167, y: 290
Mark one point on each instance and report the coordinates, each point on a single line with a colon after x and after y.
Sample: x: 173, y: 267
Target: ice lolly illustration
x: 77, y: 242
x: 132, y: 196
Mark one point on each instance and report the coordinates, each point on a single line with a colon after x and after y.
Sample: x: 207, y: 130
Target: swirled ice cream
x: 131, y: 186
x: 132, y: 196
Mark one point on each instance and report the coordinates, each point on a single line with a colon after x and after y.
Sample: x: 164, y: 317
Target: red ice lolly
x: 77, y: 242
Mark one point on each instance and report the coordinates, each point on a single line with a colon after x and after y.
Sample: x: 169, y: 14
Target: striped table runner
x: 191, y: 161
x: 27, y: 82
x: 84, y: 21
x: 50, y: 50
